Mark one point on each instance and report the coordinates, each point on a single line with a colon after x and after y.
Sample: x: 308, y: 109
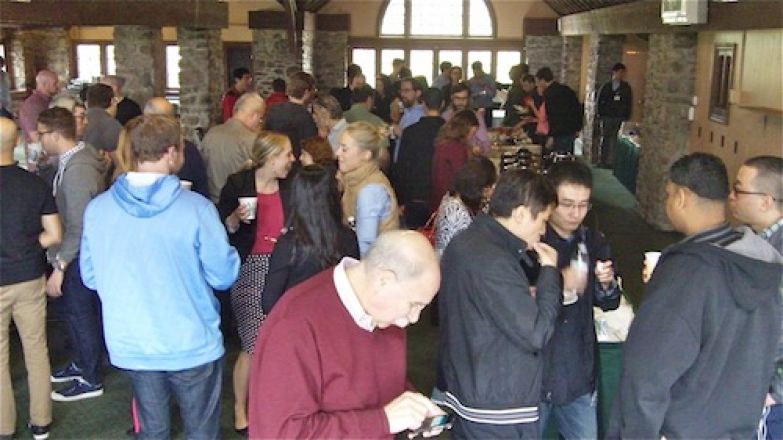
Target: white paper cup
x: 250, y: 203
x: 186, y: 184
x: 651, y: 259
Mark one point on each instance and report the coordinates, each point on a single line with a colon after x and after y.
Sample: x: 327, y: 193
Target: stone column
x: 271, y: 57
x: 308, y: 42
x: 544, y: 51
x: 605, y: 51
x: 35, y: 49
x: 331, y: 51
x: 138, y: 52
x: 571, y: 67
x: 668, y: 94
x: 201, y: 78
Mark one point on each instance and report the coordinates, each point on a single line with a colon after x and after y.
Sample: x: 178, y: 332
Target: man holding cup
x: 700, y: 354
x: 589, y: 279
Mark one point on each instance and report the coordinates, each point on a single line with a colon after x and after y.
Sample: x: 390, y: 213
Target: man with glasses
x: 756, y: 199
x: 568, y: 389
x: 460, y: 100
x: 410, y: 93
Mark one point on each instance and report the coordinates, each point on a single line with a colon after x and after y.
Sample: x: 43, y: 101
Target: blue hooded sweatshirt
x: 154, y: 253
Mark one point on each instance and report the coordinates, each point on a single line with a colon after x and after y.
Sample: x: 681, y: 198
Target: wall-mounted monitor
x: 684, y: 12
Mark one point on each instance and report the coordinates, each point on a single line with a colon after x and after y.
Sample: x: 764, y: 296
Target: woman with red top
x: 254, y: 234
x: 452, y: 150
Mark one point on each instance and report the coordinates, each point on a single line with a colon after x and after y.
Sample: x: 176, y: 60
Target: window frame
x: 724, y: 56
x: 103, y: 44
x: 465, y: 23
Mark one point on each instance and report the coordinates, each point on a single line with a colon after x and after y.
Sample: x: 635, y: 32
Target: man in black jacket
x: 699, y: 356
x: 613, y: 106
x: 563, y: 111
x: 413, y: 170
x: 568, y: 391
x: 493, y: 323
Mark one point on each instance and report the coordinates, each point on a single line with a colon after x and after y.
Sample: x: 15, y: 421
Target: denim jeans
x: 774, y: 422
x: 575, y: 420
x: 197, y: 391
x: 82, y: 310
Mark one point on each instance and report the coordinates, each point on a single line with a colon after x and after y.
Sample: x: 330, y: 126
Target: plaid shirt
x: 766, y: 233
x: 64, y: 158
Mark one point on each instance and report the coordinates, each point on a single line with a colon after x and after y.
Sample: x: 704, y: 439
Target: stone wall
x: 571, y: 66
x: 271, y: 57
x: 605, y: 51
x: 201, y: 78
x: 544, y: 52
x: 37, y: 49
x: 668, y: 93
x: 331, y: 59
x: 138, y: 52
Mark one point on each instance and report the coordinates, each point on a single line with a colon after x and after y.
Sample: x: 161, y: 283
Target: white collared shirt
x: 348, y: 295
x: 136, y: 178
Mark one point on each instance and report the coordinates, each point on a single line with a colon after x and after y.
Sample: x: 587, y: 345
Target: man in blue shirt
x: 410, y: 92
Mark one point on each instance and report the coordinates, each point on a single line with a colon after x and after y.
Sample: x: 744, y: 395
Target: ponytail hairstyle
x: 267, y: 145
x: 368, y: 137
x: 458, y: 127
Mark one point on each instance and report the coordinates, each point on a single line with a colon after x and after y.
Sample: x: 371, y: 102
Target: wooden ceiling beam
x: 195, y: 13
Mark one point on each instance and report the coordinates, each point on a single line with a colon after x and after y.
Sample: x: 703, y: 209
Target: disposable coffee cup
x: 651, y: 259
x: 186, y: 184
x: 250, y: 203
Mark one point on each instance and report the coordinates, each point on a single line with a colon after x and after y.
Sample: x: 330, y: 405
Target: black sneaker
x: 39, y: 432
x: 66, y: 374
x: 78, y: 389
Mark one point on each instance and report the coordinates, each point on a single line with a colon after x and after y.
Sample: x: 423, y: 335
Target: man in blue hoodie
x: 155, y: 252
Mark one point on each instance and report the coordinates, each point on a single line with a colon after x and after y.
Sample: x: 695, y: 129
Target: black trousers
x: 465, y: 429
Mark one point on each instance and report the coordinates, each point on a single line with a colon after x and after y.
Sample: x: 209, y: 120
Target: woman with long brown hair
x: 452, y: 150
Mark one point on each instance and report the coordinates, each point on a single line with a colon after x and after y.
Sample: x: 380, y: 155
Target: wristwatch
x: 59, y: 264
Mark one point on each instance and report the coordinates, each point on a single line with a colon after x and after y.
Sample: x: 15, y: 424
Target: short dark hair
x: 150, y: 137
x: 516, y: 73
x: 618, y: 66
x: 239, y: 72
x: 529, y: 78
x: 99, y: 95
x: 352, y: 71
x: 432, y: 98
x: 769, y: 175
x: 477, y: 65
x: 471, y: 180
x: 460, y: 87
x: 278, y: 85
x: 299, y: 83
x: 570, y: 171
x: 702, y: 173
x: 415, y: 83
x: 444, y: 66
x: 516, y: 188
x: 362, y: 94
x: 545, y: 74
x: 60, y: 120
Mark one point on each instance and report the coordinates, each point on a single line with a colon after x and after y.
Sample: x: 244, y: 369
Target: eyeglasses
x: 738, y: 191
x: 578, y: 206
x: 41, y: 133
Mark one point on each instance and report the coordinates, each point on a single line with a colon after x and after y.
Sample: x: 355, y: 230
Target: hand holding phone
x: 432, y: 426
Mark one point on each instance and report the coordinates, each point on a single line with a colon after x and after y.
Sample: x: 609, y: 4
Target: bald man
x: 127, y: 108
x: 193, y: 170
x: 331, y: 359
x: 29, y: 224
x: 46, y: 86
x: 226, y: 147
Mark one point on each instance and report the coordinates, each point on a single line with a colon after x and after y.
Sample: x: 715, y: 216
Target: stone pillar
x: 35, y: 49
x: 331, y: 51
x: 271, y: 57
x: 605, y: 51
x: 571, y: 67
x: 544, y: 51
x: 668, y: 94
x: 138, y: 52
x: 202, y: 76
x: 308, y: 42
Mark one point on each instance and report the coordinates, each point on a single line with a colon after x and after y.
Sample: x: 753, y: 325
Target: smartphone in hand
x: 441, y: 422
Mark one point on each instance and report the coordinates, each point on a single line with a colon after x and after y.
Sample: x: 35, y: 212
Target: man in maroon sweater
x: 331, y: 357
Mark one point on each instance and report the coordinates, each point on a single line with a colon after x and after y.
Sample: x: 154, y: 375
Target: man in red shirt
x: 331, y: 358
x: 278, y: 95
x: 243, y: 81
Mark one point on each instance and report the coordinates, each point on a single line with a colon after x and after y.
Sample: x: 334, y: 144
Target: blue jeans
x: 197, y: 391
x: 774, y: 422
x: 575, y: 420
x: 82, y: 313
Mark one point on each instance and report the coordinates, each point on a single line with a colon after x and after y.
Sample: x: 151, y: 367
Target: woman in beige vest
x: 369, y: 203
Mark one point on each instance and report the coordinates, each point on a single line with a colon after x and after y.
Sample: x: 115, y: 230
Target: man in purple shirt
x: 46, y: 86
x: 460, y: 98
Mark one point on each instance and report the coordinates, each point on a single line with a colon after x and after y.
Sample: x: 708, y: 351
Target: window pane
x: 2, y: 50
x: 484, y: 56
x: 172, y: 67
x: 394, y: 19
x: 506, y: 60
x: 387, y: 56
x: 436, y: 17
x: 88, y: 62
x: 479, y: 22
x: 452, y: 56
x: 111, y: 65
x: 365, y: 58
x: 422, y: 62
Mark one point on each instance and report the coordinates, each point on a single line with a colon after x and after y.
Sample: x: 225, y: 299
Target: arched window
x: 437, y: 18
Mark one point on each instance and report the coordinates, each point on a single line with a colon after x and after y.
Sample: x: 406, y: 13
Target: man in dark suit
x: 614, y: 103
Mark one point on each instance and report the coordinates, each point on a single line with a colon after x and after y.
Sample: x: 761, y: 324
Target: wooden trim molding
x: 333, y: 22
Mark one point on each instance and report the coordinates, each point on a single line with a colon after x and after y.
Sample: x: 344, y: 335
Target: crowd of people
x: 301, y: 211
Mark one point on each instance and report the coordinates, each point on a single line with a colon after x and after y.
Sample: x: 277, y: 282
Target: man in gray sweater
x: 79, y: 178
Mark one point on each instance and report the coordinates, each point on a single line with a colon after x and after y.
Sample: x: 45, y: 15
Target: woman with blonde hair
x: 253, y: 229
x: 369, y: 203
